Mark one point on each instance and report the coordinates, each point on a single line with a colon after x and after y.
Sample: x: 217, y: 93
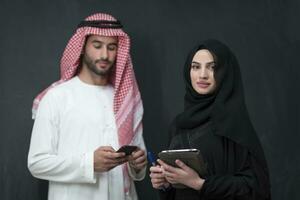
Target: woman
x: 215, y: 121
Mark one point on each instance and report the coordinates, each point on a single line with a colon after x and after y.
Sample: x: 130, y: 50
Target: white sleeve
x: 138, y: 141
x: 43, y: 160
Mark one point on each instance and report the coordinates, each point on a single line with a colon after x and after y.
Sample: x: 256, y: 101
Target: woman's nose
x: 203, y: 73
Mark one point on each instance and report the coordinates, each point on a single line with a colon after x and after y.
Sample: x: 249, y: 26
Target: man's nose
x: 103, y: 53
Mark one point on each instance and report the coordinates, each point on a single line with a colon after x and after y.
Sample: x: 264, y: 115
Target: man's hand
x: 138, y: 160
x: 106, y: 158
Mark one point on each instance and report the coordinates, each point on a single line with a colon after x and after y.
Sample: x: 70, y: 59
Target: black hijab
x: 225, y: 108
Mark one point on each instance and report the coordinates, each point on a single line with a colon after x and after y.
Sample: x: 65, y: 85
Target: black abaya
x: 223, y: 132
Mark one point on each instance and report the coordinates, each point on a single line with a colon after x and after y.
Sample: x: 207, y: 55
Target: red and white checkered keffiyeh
x: 128, y: 107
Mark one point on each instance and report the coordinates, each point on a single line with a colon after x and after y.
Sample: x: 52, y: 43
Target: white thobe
x: 72, y: 121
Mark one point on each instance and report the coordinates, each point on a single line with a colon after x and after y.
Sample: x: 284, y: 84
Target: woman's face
x: 202, y: 72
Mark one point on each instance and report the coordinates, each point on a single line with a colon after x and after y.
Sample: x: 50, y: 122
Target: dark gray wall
x: 264, y: 35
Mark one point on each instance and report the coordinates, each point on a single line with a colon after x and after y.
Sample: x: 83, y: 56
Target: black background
x: 264, y: 35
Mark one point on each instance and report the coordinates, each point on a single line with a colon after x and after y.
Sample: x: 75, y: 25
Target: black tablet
x: 191, y: 157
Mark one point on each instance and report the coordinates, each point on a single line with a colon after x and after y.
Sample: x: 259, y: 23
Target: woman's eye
x: 211, y: 67
x: 195, y: 66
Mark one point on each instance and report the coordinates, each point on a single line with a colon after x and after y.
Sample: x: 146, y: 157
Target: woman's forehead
x: 203, y: 55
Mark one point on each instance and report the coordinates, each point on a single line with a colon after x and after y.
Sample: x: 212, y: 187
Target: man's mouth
x: 103, y: 64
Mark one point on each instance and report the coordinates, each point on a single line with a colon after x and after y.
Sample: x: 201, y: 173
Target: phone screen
x: 127, y: 149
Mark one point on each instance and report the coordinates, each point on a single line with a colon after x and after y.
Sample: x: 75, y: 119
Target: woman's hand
x: 181, y: 174
x: 157, y: 177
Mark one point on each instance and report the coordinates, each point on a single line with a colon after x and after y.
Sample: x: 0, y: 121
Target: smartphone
x: 127, y: 149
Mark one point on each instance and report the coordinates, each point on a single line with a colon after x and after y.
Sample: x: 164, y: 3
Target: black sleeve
x: 238, y: 184
x: 168, y: 194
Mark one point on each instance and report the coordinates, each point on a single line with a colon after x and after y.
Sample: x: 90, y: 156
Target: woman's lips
x: 203, y: 84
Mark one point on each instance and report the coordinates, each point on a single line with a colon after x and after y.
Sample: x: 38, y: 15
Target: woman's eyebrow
x: 212, y: 62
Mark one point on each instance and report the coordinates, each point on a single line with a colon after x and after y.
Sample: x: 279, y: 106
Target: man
x: 82, y: 119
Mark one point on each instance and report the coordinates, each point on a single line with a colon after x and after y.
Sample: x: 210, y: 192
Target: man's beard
x: 92, y: 66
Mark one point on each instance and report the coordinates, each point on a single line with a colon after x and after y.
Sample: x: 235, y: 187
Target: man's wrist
x: 136, y: 169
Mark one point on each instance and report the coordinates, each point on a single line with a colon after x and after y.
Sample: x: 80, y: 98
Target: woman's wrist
x: 198, y: 183
x: 166, y: 185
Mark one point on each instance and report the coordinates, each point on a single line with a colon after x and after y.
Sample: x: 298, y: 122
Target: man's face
x: 202, y: 72
x: 100, y: 54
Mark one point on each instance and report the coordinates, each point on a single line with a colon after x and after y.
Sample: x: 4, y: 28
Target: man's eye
x: 112, y: 47
x: 97, y: 46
